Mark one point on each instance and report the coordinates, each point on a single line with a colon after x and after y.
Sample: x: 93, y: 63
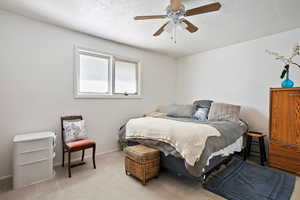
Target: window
x: 99, y: 75
x: 125, y: 77
x: 94, y: 74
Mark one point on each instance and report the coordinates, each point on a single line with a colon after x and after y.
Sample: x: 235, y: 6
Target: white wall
x: 238, y: 74
x: 36, y: 84
x: 36, y: 81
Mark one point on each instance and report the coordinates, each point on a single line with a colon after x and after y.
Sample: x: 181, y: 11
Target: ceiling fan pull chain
x: 172, y: 32
x: 175, y: 32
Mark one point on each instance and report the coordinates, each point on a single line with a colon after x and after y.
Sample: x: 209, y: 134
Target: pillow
x: 181, y: 111
x: 155, y: 114
x: 74, y: 130
x: 164, y: 109
x: 222, y: 111
x: 201, y: 114
x: 202, y: 104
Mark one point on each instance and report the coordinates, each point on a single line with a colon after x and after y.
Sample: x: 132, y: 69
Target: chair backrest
x: 67, y: 118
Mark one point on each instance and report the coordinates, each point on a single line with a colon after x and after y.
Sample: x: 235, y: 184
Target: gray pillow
x: 223, y: 111
x: 164, y: 108
x: 180, y: 111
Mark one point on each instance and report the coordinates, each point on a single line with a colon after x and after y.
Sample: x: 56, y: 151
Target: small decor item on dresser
x: 287, y: 83
x: 142, y: 162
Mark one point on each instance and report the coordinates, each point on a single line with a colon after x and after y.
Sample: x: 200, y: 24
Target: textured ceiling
x: 238, y: 20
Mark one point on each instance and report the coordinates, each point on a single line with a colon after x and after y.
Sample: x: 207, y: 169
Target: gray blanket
x: 230, y: 132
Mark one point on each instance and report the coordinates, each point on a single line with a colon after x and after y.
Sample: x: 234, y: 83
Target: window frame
x: 111, y: 78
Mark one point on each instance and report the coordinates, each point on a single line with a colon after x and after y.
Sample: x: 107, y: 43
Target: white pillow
x: 223, y: 111
x: 74, y: 130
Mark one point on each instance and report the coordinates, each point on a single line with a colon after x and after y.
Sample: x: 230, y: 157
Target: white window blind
x: 126, y: 77
x: 94, y: 74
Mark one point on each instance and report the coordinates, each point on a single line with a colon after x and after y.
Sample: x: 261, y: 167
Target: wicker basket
x: 142, y: 162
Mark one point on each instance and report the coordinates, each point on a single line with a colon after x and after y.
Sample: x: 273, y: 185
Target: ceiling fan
x: 175, y: 13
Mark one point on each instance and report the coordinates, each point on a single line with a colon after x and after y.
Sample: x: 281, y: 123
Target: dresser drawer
x: 35, y: 172
x: 34, y: 145
x: 31, y: 157
x: 286, y: 157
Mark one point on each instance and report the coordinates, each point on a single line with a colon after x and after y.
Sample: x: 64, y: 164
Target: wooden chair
x: 78, y: 145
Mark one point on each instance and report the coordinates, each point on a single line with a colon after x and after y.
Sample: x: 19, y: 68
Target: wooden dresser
x: 284, y: 152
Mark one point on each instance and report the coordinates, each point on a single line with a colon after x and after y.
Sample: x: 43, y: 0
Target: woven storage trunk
x: 142, y: 162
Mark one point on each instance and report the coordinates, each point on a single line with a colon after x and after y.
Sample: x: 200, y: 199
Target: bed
x: 217, y: 149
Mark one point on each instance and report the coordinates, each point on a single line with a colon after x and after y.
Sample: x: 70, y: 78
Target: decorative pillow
x: 202, y: 104
x: 222, y: 111
x: 181, y: 111
x: 74, y: 130
x: 201, y: 114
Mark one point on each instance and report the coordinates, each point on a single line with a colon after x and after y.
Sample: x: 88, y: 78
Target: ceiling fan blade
x: 175, y: 5
x: 157, y: 33
x: 150, y: 17
x: 190, y: 27
x: 203, y: 9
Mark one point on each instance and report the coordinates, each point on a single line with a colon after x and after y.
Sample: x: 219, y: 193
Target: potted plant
x: 123, y: 144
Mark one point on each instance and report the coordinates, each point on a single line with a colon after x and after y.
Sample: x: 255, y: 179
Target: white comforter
x: 186, y: 137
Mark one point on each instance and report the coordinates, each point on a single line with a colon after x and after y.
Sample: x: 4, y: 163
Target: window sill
x: 93, y: 96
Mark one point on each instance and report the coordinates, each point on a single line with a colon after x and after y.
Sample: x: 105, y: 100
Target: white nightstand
x: 33, y: 158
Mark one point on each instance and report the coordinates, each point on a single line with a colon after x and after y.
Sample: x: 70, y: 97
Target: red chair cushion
x: 80, y: 144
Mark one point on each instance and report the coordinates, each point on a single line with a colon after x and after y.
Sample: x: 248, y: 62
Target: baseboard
x: 73, y: 160
x: 5, y: 177
x: 89, y: 156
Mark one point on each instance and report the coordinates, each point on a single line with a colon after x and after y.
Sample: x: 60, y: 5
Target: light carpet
x: 109, y: 182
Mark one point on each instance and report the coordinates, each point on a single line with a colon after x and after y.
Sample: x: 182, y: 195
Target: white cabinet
x: 33, y: 158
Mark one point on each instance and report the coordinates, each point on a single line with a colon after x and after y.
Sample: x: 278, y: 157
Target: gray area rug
x: 246, y: 181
